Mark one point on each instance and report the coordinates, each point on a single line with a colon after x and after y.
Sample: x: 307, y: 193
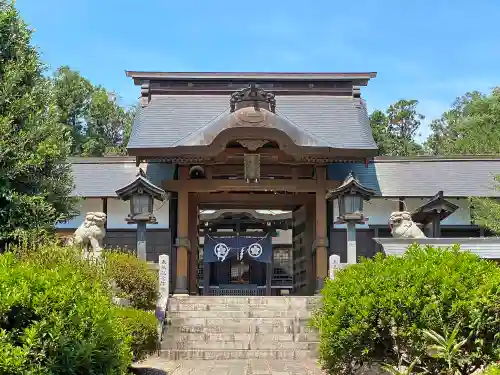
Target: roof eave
x: 140, y: 76
x: 126, y: 192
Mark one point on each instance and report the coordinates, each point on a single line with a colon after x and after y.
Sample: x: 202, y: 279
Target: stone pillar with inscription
x: 334, y: 265
x: 163, y: 291
x: 164, y: 280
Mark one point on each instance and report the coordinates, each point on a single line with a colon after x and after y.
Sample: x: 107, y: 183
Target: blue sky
x: 432, y: 51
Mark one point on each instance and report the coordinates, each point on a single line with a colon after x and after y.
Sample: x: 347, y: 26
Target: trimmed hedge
x: 142, y: 328
x: 58, y: 319
x: 377, y: 311
x: 135, y: 281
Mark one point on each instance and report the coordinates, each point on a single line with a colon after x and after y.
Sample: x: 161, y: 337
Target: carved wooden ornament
x: 252, y: 144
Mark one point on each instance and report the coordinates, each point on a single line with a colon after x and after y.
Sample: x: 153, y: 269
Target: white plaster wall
x: 118, y: 210
x: 378, y: 210
x: 83, y: 206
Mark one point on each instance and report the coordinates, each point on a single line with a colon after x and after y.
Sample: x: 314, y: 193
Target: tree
x: 72, y: 94
x: 108, y: 125
x: 97, y: 122
x: 454, y: 133
x: 35, y: 178
x: 472, y: 127
x: 395, y: 130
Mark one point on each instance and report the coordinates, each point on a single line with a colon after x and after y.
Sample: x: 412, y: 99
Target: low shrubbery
x: 436, y: 308
x: 57, y: 320
x: 57, y: 315
x: 133, y: 279
x: 142, y: 327
x: 492, y: 370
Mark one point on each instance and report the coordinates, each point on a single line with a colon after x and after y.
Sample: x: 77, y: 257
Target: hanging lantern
x: 252, y: 167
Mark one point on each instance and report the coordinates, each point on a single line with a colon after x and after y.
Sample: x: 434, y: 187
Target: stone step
x: 230, y: 337
x: 194, y: 354
x: 251, y: 313
x: 240, y: 345
x: 197, y: 320
x: 235, y: 307
x: 239, y: 329
x: 295, y: 301
x: 201, y: 325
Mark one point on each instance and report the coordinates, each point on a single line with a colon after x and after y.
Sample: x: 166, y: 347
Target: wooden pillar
x: 182, y: 240
x: 193, y: 241
x: 105, y: 210
x: 309, y: 240
x: 436, y: 227
x: 321, y: 235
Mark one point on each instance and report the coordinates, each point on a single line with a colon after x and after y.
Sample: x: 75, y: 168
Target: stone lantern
x: 141, y: 194
x: 351, y: 195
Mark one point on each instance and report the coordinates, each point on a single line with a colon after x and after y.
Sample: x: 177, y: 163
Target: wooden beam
x: 249, y: 200
x: 240, y: 185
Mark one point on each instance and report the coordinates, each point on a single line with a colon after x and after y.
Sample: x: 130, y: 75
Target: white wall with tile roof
x: 378, y: 210
x: 117, y: 212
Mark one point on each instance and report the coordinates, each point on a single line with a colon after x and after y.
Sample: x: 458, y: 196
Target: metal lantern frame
x: 141, y: 193
x: 351, y: 195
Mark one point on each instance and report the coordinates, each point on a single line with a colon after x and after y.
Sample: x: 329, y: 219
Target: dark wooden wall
x: 365, y: 244
x: 158, y: 241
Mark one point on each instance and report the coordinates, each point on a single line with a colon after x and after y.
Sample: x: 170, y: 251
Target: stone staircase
x: 218, y: 328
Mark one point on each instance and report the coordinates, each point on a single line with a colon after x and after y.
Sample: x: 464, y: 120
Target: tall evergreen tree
x: 35, y: 178
x: 472, y: 127
x: 97, y: 122
x: 395, y: 130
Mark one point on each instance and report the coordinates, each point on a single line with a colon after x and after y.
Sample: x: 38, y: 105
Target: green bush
x: 492, y: 370
x: 57, y: 318
x: 142, y: 328
x: 379, y: 310
x: 135, y: 281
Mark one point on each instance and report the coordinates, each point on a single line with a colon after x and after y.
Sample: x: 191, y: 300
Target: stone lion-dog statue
x: 402, y: 226
x: 90, y: 233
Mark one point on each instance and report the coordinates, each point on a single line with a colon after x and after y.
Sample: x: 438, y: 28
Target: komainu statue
x: 90, y: 233
x: 402, y: 226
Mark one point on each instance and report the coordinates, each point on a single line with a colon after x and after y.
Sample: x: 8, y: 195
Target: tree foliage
x: 395, y: 129
x: 97, y: 123
x: 35, y: 179
x: 472, y: 127
x: 43, y: 120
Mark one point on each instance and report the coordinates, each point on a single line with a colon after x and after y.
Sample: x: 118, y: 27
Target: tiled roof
x: 413, y: 177
x: 341, y: 121
x: 101, y: 177
x: 425, y: 176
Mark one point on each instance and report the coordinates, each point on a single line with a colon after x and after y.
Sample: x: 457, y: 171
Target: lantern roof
x: 436, y: 207
x: 351, y: 186
x: 141, y: 183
